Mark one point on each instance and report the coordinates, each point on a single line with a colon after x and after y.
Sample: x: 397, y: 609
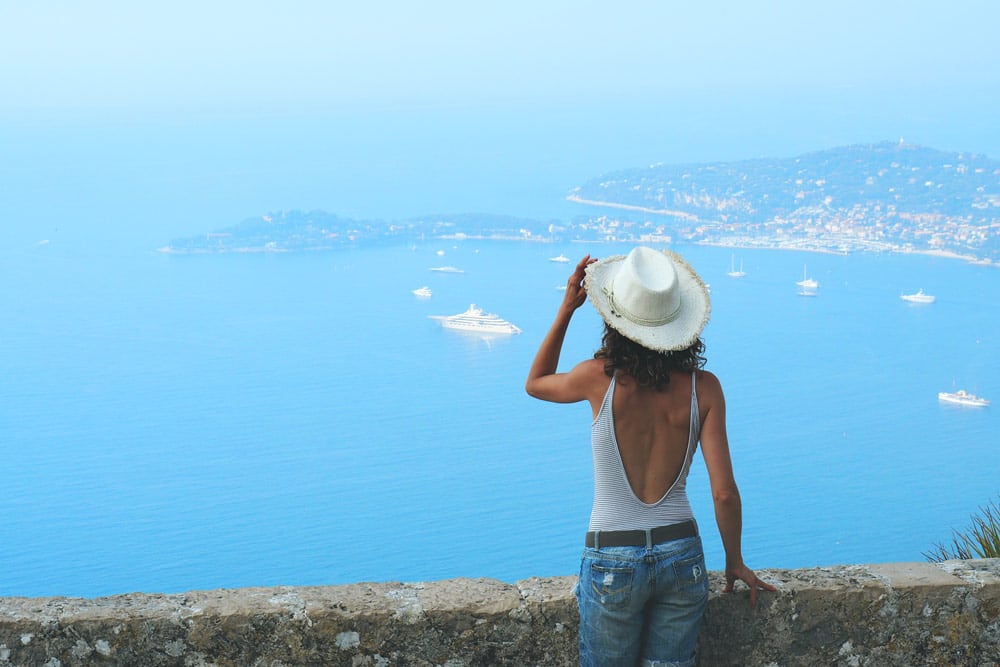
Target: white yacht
x: 917, y: 297
x: 733, y: 273
x: 474, y: 319
x: 807, y: 283
x: 559, y: 258
x: 962, y: 397
x: 424, y: 291
x: 446, y: 269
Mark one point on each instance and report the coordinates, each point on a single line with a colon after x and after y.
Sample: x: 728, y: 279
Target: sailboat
x: 733, y: 273
x: 807, y: 283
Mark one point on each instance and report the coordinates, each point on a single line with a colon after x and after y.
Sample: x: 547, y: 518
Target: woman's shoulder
x: 590, y: 373
x: 708, y: 383
x: 706, y: 376
x: 593, y: 367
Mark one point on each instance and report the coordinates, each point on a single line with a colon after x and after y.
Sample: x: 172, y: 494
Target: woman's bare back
x: 652, y: 429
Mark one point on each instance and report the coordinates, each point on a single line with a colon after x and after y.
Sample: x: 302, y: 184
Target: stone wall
x: 902, y: 614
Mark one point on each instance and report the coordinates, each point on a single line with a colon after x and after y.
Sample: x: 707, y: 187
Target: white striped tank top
x: 616, y: 507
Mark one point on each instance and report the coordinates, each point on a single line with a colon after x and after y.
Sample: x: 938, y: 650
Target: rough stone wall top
x: 897, y: 614
x: 900, y: 614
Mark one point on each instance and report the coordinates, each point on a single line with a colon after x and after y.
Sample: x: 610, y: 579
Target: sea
x: 187, y: 422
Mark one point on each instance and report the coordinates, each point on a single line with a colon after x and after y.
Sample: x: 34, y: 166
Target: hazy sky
x: 164, y: 118
x: 122, y: 54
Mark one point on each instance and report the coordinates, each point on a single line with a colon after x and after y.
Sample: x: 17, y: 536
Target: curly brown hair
x: 649, y: 368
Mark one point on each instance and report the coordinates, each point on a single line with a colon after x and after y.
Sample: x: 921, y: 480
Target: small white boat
x: 807, y: 283
x: 446, y: 269
x: 733, y: 273
x: 559, y: 258
x: 474, y: 319
x: 917, y: 297
x: 962, y: 397
x: 423, y: 292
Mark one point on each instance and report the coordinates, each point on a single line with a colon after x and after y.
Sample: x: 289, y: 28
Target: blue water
x: 172, y: 423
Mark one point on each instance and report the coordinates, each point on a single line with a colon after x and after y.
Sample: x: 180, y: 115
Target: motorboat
x: 917, y: 297
x: 424, y: 291
x: 446, y: 269
x: 962, y: 397
x: 559, y: 258
x: 474, y: 319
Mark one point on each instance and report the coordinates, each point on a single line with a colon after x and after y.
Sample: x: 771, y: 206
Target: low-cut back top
x: 616, y: 507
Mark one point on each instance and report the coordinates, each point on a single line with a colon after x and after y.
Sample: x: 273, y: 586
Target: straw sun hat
x: 653, y: 298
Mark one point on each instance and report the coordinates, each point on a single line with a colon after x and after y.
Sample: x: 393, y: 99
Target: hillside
x: 895, y: 194
x: 878, y: 197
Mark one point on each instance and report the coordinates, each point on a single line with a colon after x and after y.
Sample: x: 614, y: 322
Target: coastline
x: 690, y: 229
x: 735, y: 245
x: 944, y: 254
x: 632, y: 207
x: 836, y: 247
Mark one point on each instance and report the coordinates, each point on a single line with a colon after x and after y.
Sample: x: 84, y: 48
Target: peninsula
x: 885, y: 197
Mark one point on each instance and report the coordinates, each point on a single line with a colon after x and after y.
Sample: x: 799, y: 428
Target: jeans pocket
x: 611, y: 586
x: 691, y: 576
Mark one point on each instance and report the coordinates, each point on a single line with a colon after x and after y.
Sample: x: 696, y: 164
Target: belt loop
x: 649, y: 538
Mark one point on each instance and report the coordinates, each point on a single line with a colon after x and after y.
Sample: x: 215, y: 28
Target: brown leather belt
x: 641, y: 538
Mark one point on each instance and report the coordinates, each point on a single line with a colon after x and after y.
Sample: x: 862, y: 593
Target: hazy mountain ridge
x: 909, y: 178
x: 321, y: 230
x: 882, y: 197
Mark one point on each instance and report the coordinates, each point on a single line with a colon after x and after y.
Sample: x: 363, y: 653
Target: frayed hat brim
x: 677, y: 334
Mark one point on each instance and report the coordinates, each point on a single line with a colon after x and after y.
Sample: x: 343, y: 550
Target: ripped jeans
x: 642, y: 606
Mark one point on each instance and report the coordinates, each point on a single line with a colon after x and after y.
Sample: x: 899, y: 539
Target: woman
x: 643, y: 583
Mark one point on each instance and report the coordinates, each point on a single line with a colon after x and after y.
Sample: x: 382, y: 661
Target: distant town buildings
x: 882, y: 197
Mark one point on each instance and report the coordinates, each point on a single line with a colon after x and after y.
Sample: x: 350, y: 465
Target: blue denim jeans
x: 642, y: 605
